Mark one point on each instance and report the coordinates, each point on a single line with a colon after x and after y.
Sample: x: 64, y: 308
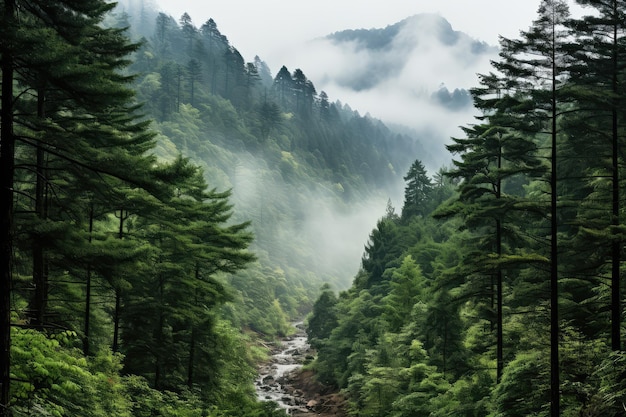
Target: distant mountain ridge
x: 388, y: 50
x: 378, y: 38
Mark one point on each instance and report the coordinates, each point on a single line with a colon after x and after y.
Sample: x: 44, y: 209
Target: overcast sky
x: 265, y: 27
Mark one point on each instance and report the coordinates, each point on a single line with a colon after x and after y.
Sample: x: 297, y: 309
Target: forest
x: 505, y: 299
x: 157, y: 228
x: 156, y: 215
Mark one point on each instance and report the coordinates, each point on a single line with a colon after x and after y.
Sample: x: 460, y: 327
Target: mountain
x: 415, y: 73
x: 310, y: 173
x: 389, y: 50
x: 176, y: 204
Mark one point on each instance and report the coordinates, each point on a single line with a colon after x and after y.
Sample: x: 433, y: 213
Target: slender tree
x: 496, y: 159
x: 537, y: 59
x: 599, y: 94
x: 7, y: 156
x: 194, y: 75
x: 189, y: 31
x: 417, y: 192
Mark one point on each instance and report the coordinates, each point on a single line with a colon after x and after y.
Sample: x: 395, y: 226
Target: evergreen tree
x: 163, y: 26
x: 77, y: 52
x: 538, y: 61
x: 417, y: 192
x: 495, y: 155
x: 180, y: 291
x: 597, y: 89
x: 269, y: 118
x: 188, y: 31
x: 382, y: 248
x: 323, y: 318
x: 283, y: 84
x: 7, y: 163
x: 194, y: 75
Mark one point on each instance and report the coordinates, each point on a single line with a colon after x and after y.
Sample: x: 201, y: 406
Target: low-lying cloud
x: 416, y: 75
x: 313, y: 230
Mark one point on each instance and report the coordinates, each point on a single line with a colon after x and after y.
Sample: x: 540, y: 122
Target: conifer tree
x: 417, y: 192
x: 283, y: 84
x: 537, y: 64
x: 598, y: 81
x: 171, y: 306
x: 188, y: 30
x: 80, y: 119
x: 7, y: 166
x: 494, y: 156
x: 194, y: 76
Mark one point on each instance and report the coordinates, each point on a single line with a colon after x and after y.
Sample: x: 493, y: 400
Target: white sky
x: 264, y: 27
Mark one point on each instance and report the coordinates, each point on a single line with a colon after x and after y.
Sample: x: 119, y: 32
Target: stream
x: 289, y: 356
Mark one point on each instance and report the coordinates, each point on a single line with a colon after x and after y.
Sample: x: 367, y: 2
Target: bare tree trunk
x: 39, y: 300
x: 555, y: 394
x: 616, y: 310
x: 88, y: 291
x: 7, y: 162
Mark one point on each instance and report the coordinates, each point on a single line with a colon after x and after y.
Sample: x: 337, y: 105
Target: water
x: 287, y: 359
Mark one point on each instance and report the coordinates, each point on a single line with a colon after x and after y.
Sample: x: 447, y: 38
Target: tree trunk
x: 7, y: 162
x: 116, y: 320
x: 500, y: 330
x: 616, y: 310
x: 88, y: 292
x: 554, y: 279
x: 39, y: 300
x: 118, y: 290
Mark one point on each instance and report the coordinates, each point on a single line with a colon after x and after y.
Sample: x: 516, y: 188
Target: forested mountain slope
x: 134, y: 283
x: 310, y: 174
x: 133, y: 278
x: 506, y: 299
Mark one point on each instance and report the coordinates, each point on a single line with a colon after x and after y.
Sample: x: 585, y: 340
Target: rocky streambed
x: 283, y: 381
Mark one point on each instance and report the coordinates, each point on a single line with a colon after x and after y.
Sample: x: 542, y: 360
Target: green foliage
x: 120, y: 244
x: 323, y: 318
x: 524, y: 389
x: 417, y: 191
x: 509, y: 303
x: 57, y: 380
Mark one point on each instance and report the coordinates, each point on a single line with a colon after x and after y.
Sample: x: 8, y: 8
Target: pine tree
x: 194, y: 75
x: 283, y: 84
x: 62, y: 73
x: 599, y: 95
x: 188, y: 31
x: 7, y: 166
x: 178, y: 293
x: 417, y: 192
x: 538, y: 61
x: 496, y: 158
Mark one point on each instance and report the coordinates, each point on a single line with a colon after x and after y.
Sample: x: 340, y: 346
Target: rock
x: 293, y: 388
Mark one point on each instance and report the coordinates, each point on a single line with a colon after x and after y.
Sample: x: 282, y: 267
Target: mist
x: 416, y: 82
x: 316, y: 230
x: 403, y: 82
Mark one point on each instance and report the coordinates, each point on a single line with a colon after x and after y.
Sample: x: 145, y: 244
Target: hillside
x: 168, y: 208
x: 294, y: 158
